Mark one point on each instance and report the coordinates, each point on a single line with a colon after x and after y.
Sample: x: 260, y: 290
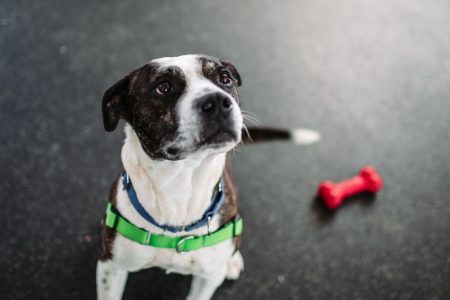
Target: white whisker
x: 252, y: 119
x: 248, y: 133
x: 249, y: 113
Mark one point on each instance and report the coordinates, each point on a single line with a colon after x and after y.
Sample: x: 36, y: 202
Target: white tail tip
x: 305, y: 136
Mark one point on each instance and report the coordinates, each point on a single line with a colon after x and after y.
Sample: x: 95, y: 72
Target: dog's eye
x: 224, y: 78
x: 163, y: 88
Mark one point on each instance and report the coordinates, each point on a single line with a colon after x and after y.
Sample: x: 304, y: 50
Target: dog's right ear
x: 115, y: 104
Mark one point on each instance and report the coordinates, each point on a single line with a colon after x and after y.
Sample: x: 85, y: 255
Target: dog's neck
x: 173, y: 192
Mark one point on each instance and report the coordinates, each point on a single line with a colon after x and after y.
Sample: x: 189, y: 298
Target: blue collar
x: 216, y: 203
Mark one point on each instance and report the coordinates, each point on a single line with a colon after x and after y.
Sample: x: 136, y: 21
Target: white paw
x: 235, y: 266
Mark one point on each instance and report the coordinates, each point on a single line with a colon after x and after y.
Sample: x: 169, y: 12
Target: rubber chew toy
x: 334, y: 194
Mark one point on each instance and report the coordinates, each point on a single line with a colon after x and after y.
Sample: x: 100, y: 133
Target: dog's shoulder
x: 108, y: 235
x: 229, y: 209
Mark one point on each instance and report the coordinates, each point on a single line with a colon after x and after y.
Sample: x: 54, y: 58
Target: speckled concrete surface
x: 372, y: 76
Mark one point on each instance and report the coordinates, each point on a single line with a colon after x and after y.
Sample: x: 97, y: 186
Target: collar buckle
x: 181, y: 242
x: 208, y: 223
x: 125, y: 181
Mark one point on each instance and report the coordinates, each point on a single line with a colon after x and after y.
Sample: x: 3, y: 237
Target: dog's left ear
x: 233, y: 70
x: 115, y: 104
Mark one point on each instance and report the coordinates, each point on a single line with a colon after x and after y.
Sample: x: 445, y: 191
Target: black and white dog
x: 183, y: 115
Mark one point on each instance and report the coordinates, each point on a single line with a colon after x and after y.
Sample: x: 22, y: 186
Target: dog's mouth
x: 213, y: 139
x: 218, y: 137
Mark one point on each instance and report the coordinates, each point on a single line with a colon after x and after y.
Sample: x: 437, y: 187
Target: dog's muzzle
x: 215, y: 110
x: 215, y: 106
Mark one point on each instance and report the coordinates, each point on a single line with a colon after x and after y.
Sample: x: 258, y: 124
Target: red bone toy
x: 333, y: 194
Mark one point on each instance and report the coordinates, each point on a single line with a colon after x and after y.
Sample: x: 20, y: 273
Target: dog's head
x: 178, y: 106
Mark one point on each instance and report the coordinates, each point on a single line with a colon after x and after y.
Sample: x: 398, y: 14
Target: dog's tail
x: 299, y: 136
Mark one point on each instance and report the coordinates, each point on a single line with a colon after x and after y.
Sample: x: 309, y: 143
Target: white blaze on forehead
x: 189, y: 64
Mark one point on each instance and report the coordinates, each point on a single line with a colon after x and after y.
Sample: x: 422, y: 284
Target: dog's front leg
x: 203, y: 287
x: 110, y: 280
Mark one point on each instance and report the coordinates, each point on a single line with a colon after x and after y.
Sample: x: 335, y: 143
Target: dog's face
x: 179, y: 106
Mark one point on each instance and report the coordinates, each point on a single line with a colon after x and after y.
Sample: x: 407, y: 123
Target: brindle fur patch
x: 211, y: 67
x: 229, y: 209
x: 108, y: 235
x: 153, y: 117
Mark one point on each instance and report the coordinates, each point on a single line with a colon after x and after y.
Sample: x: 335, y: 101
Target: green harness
x: 181, y: 244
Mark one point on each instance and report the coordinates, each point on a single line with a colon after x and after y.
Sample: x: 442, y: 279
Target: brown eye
x: 163, y: 88
x: 224, y: 78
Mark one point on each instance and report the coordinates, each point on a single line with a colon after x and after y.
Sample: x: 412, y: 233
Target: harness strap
x: 182, y: 244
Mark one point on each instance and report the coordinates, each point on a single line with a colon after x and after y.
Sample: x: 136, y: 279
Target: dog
x: 175, y: 206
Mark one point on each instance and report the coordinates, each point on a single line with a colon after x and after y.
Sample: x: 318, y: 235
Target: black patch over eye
x: 163, y: 88
x: 225, y: 78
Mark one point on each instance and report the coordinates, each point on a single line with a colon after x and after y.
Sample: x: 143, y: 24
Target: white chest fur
x: 173, y: 192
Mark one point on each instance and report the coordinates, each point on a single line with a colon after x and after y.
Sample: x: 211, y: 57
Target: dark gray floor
x: 372, y: 76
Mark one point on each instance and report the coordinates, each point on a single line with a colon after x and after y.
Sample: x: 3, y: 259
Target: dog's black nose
x: 215, y: 105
